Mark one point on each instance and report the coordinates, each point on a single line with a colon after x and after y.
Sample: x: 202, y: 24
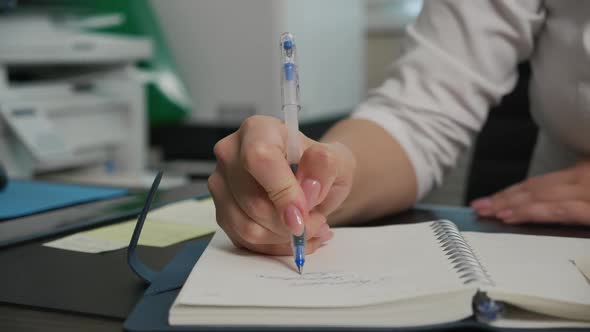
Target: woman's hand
x: 562, y: 197
x: 260, y: 203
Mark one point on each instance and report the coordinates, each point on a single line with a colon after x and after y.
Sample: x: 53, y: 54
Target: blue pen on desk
x: 291, y: 106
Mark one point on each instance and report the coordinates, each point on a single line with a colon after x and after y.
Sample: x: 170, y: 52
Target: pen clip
x: 137, y: 266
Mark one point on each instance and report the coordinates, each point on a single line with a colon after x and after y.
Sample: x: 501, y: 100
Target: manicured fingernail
x: 311, y: 189
x: 481, y: 203
x: 504, y: 214
x: 325, y: 234
x: 485, y: 212
x: 294, y: 220
x: 327, y: 237
x: 325, y: 228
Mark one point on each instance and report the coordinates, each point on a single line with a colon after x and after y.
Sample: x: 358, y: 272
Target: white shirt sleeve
x: 460, y: 59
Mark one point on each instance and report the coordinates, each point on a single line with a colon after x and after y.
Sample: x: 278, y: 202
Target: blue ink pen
x: 291, y: 106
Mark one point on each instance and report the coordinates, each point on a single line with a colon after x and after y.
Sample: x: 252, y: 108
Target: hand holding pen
x: 260, y: 203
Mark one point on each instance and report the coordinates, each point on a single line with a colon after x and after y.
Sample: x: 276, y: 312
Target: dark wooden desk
x: 64, y: 291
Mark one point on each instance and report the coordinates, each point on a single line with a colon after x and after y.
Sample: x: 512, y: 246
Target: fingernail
x: 504, y: 214
x: 294, y: 220
x: 325, y: 228
x: 327, y: 237
x: 481, y: 203
x: 325, y: 234
x: 311, y: 189
x: 485, y: 212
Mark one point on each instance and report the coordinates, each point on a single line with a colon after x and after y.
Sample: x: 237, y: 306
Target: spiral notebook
x: 401, y: 275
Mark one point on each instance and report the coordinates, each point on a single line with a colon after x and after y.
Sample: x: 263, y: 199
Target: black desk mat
x: 96, y: 284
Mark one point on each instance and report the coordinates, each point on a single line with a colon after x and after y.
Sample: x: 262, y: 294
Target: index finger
x: 263, y: 155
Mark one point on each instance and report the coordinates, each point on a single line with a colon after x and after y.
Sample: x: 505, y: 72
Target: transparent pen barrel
x: 290, y: 85
x: 292, y: 123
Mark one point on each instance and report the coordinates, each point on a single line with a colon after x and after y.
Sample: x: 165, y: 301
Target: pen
x: 291, y: 107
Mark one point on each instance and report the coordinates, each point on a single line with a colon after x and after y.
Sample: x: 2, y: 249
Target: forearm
x: 384, y: 179
x: 434, y: 101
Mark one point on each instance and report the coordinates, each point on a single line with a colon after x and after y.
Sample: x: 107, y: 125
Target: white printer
x: 69, y: 99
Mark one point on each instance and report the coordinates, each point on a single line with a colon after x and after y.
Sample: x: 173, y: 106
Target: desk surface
x: 65, y: 291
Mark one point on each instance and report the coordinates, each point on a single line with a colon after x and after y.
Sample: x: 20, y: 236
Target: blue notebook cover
x: 22, y: 197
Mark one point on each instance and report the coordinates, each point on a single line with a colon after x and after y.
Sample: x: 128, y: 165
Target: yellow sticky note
x: 165, y: 226
x: 155, y: 233
x: 81, y: 243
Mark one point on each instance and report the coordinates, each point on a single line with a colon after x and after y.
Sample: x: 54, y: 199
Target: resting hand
x: 562, y: 197
x: 260, y: 203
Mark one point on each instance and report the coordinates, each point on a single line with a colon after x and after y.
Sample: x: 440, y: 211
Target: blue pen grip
x: 299, y: 250
x: 298, y: 241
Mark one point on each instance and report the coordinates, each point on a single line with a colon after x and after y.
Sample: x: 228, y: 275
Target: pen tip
x: 299, y: 270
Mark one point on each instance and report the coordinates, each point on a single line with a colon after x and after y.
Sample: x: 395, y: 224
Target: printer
x: 70, y: 100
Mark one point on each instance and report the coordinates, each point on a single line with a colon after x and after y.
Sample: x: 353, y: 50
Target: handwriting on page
x: 325, y: 279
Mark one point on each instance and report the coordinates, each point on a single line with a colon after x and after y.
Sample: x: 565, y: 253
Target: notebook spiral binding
x: 459, y: 252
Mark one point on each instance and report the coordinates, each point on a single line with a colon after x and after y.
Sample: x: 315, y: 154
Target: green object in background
x: 167, y: 99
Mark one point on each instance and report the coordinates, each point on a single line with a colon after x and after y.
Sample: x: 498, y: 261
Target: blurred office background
x: 108, y: 91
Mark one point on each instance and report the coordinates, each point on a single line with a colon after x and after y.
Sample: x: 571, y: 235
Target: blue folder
x: 22, y: 197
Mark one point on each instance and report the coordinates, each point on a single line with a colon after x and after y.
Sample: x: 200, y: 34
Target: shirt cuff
x: 384, y: 118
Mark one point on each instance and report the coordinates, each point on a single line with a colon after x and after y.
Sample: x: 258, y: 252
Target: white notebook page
x: 537, y: 266
x: 359, y: 266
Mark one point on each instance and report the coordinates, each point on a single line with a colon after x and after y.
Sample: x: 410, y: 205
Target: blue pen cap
x: 289, y: 72
x: 288, y: 44
x: 289, y: 67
